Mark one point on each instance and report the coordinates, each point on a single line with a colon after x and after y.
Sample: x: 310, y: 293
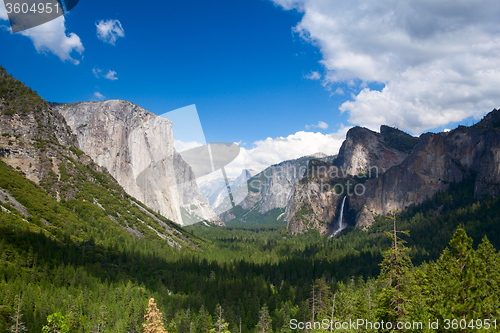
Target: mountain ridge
x: 37, y: 144
x: 434, y: 161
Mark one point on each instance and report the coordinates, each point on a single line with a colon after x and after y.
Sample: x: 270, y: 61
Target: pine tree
x: 283, y: 315
x: 465, y: 282
x: 320, y: 300
x: 220, y: 326
x: 489, y: 301
x: 394, y: 300
x: 204, y: 321
x: 154, y: 319
x: 19, y: 326
x: 264, y: 324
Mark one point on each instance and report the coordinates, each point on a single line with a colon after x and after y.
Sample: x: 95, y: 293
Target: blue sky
x: 271, y: 73
x: 237, y: 61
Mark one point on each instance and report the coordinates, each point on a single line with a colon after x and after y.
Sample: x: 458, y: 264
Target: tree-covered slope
x: 73, y: 243
x: 37, y: 142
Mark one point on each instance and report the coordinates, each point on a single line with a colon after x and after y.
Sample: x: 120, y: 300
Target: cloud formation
x: 313, y: 76
x: 110, y: 75
x: 97, y: 72
x: 98, y: 96
x: 108, y: 31
x: 181, y: 146
x: 438, y: 61
x: 51, y: 37
x: 271, y: 151
x: 321, y: 124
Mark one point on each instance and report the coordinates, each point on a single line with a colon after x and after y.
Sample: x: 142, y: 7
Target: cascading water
x: 341, y: 218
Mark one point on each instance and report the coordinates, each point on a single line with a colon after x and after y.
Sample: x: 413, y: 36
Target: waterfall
x: 341, y: 226
x: 341, y: 218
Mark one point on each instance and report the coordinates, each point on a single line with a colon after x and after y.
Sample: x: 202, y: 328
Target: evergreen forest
x: 415, y: 266
x: 77, y: 254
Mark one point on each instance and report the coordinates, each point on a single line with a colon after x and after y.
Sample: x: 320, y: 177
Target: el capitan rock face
x: 137, y: 149
x: 37, y: 142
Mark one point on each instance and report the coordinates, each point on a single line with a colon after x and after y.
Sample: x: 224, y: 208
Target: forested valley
x: 254, y: 279
x: 77, y: 254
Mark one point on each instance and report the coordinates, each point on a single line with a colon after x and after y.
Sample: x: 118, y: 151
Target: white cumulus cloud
x: 111, y: 75
x: 108, y: 31
x: 52, y: 37
x: 271, y: 151
x: 321, y: 124
x: 313, y: 76
x: 437, y: 61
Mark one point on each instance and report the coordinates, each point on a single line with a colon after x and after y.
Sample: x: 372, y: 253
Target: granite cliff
x: 364, y: 155
x: 390, y: 170
x: 48, y: 181
x: 367, y: 151
x: 137, y: 148
x: 437, y: 160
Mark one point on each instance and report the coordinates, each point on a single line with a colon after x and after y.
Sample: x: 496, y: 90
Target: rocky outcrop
x: 409, y: 173
x: 312, y: 207
x: 436, y: 161
x: 272, y: 188
x: 364, y: 219
x: 363, y: 155
x: 34, y: 138
x: 279, y: 182
x: 365, y: 151
x: 137, y: 149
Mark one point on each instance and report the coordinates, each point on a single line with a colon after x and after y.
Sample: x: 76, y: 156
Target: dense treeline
x: 102, y: 284
x: 97, y: 295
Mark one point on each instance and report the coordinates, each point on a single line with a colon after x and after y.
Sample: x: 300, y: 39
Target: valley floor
x: 255, y: 277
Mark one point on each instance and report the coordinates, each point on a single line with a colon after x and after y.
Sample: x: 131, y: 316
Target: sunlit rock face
x: 439, y: 159
x: 410, y: 171
x: 137, y: 149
